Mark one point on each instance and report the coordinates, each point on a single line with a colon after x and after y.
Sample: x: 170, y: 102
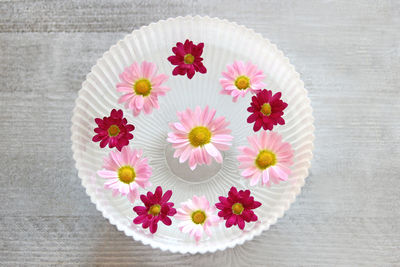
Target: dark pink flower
x: 267, y: 110
x: 187, y: 58
x: 237, y: 208
x: 113, y: 130
x: 156, y: 208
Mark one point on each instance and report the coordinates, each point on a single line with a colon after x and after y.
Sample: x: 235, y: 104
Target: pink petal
x: 148, y: 69
x: 222, y: 138
x: 198, y: 234
x: 213, y: 151
x: 185, y: 154
x: 159, y: 79
x: 124, y: 88
x: 186, y: 227
x: 197, y: 201
x: 126, y: 98
x: 249, y: 172
x: 147, y: 107
x: 178, y: 126
x: 139, y: 102
x: 192, y: 162
x: 254, y: 179
x: 280, y: 173
x: 112, y: 184
x: 254, y: 142
x: 265, y: 176
x: 116, y: 157
x: 133, y: 195
x: 107, y: 174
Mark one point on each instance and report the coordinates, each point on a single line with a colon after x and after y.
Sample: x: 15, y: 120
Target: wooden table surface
x: 348, y: 54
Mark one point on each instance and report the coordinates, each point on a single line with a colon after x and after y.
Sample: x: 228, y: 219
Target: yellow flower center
x: 199, y: 217
x: 237, y: 208
x: 199, y: 136
x: 142, y: 87
x: 242, y: 82
x: 266, y: 109
x: 113, y: 130
x: 188, y: 59
x: 126, y: 174
x: 265, y: 159
x: 155, y: 210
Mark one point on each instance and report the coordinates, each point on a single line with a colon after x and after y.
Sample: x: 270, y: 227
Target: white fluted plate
x: 224, y: 42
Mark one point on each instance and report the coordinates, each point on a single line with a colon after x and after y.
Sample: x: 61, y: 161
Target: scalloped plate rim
x: 291, y: 197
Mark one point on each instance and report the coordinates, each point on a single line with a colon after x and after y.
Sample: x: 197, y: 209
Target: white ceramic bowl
x: 224, y: 42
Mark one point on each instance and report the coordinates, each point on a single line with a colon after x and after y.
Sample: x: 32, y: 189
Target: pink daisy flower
x: 197, y: 217
x: 125, y: 171
x: 156, y: 208
x: 267, y: 110
x: 188, y: 58
x: 237, y: 208
x: 199, y: 137
x: 113, y: 130
x: 241, y: 78
x: 141, y: 87
x: 267, y: 157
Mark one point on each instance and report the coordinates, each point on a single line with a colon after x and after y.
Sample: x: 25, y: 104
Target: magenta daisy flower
x: 237, y: 208
x: 187, y: 58
x: 267, y: 110
x: 267, y: 157
x: 156, y: 208
x: 241, y: 78
x: 199, y: 137
x: 197, y: 217
x: 141, y: 86
x: 125, y: 172
x: 113, y: 130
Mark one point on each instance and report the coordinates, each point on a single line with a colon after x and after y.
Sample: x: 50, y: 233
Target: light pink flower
x: 241, y: 78
x: 141, y: 87
x: 267, y: 157
x: 197, y: 217
x: 199, y: 137
x: 125, y: 171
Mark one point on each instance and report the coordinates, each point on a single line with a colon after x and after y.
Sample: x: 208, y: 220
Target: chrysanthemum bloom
x: 237, y: 208
x: 125, y: 171
x: 156, y: 208
x: 113, y: 130
x: 267, y: 157
x: 241, y: 78
x: 188, y: 58
x: 199, y: 137
x: 141, y: 87
x: 197, y: 217
x: 267, y: 110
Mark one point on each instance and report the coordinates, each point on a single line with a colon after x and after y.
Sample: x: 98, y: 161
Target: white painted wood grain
x: 348, y: 53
